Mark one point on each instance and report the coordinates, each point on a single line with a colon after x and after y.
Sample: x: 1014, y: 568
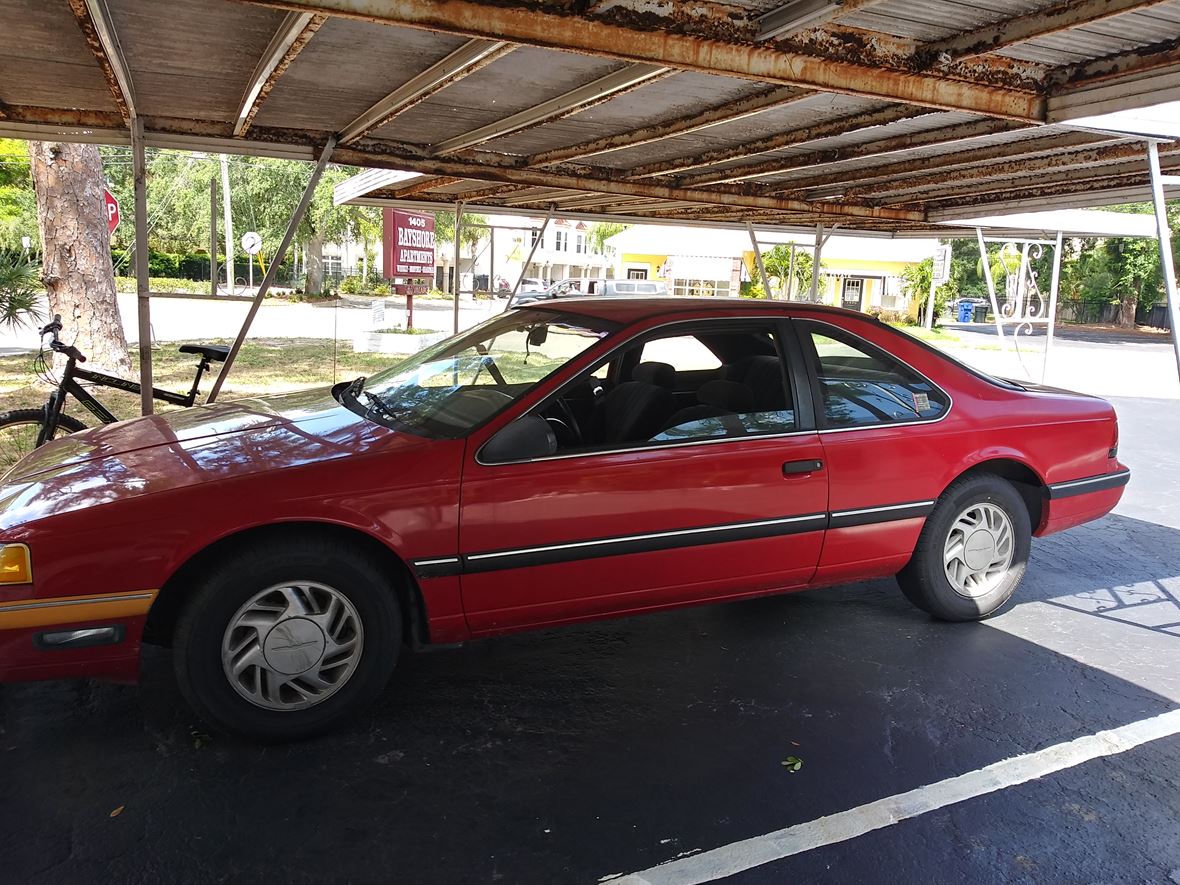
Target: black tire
x: 924, y: 579
x: 20, y: 428
x: 204, y: 620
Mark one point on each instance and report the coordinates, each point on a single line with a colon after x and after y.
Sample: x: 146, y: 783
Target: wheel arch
x: 1027, y: 482
x: 162, y: 617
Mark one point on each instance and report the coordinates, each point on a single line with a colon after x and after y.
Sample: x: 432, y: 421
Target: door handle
x: 799, y: 468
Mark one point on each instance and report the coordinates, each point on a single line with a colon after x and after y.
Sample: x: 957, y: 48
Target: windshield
x: 451, y: 388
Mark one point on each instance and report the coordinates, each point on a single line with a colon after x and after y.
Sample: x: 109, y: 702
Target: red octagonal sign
x: 112, y: 209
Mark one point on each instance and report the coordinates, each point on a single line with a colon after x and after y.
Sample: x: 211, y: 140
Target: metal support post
x: 1053, y: 289
x: 276, y: 260
x: 143, y: 301
x: 213, y: 235
x: 458, y: 240
x: 929, y: 322
x: 532, y: 251
x: 1164, y: 233
x: 820, y: 239
x: 758, y: 260
x: 227, y: 211
x: 991, y: 285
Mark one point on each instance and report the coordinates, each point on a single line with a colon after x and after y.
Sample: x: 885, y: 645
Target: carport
x: 879, y: 117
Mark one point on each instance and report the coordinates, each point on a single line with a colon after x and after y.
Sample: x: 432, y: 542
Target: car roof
x: 629, y: 309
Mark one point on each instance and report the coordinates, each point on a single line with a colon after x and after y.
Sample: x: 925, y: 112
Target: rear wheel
x: 20, y: 428
x: 972, y: 552
x: 285, y: 640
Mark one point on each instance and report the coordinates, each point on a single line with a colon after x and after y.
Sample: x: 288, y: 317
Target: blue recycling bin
x: 966, y: 311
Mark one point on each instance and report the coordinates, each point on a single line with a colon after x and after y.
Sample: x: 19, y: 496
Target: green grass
x: 262, y: 366
x: 934, y: 336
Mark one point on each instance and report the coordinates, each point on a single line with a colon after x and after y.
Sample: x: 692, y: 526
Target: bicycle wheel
x: 20, y: 428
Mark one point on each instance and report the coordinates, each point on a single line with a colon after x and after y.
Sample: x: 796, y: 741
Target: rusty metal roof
x: 882, y: 116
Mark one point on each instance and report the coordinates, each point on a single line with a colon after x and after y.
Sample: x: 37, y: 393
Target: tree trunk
x: 76, y: 245
x: 1129, y: 305
x: 315, y: 265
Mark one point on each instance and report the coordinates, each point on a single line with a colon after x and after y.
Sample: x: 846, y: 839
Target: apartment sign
x: 409, y: 244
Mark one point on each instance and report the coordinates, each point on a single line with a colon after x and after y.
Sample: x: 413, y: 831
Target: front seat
x: 764, y: 377
x: 631, y: 412
x: 652, y: 372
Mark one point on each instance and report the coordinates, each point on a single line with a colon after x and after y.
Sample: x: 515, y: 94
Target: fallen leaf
x: 118, y: 811
x: 792, y: 764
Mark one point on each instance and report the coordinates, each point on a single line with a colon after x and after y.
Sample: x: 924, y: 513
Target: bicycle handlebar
x: 56, y: 344
x: 54, y: 326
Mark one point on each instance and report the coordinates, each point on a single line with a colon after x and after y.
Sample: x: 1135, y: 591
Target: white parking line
x: 728, y: 860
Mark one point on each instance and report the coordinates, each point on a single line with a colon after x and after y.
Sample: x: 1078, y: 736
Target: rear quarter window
x: 862, y: 386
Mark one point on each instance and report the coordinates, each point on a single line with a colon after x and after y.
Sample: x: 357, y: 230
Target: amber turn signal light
x: 16, y: 567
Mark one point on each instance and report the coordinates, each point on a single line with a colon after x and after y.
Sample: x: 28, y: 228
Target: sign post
x: 408, y: 254
x: 251, y: 243
x: 942, y: 273
x: 112, y: 210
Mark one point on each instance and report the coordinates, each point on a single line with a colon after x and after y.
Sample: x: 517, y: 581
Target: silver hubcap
x: 292, y: 646
x: 979, y: 550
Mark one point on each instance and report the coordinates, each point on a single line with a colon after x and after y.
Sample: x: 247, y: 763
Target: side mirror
x: 523, y: 439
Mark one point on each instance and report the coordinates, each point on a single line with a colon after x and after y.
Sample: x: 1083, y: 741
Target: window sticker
x: 921, y: 402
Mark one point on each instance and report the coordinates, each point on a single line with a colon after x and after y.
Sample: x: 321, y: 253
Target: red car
x: 555, y: 464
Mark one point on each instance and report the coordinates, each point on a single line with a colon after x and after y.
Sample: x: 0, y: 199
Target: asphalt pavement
x: 578, y: 754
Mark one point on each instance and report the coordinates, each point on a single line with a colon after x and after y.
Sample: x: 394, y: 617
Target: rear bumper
x: 1077, y: 501
x: 25, y: 656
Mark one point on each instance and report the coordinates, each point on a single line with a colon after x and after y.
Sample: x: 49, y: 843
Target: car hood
x: 187, y: 447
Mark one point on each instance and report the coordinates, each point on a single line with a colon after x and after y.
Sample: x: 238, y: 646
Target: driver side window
x: 715, y: 380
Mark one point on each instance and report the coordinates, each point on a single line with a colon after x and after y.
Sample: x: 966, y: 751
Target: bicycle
x: 22, y: 430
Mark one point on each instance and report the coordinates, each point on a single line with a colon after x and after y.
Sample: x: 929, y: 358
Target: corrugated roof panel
x: 345, y: 69
x: 495, y: 93
x: 177, y: 68
x: 43, y: 41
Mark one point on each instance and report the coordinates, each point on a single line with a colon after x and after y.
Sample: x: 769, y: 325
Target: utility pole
x: 227, y: 212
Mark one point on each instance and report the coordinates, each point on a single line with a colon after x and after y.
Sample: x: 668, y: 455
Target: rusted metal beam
x: 1028, y: 191
x: 1041, y: 23
x: 1103, y: 162
x: 293, y: 34
x: 467, y: 59
x: 1137, y: 61
x: 964, y: 132
x: 899, y: 174
x: 578, y: 99
x: 94, y: 18
x: 392, y: 157
x: 557, y: 28
x: 728, y: 113
x: 827, y: 129
x: 425, y: 184
x: 485, y: 193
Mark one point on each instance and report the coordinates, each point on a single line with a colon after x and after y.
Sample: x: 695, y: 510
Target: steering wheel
x: 571, y: 421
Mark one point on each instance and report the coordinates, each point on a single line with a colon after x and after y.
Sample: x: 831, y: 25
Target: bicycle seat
x: 213, y: 352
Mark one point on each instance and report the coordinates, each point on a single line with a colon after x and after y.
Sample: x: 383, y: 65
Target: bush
x: 752, y: 289
x: 353, y: 285
x: 164, y: 284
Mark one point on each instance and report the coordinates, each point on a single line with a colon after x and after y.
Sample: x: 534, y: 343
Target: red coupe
x: 558, y: 463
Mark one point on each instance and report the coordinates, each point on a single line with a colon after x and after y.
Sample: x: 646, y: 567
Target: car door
x: 712, y: 507
x: 881, y: 424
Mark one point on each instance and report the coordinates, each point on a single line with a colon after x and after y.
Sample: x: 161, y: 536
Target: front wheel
x: 286, y: 639
x: 20, y: 428
x: 972, y: 552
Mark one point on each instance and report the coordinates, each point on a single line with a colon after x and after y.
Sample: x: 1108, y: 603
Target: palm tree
x: 19, y: 291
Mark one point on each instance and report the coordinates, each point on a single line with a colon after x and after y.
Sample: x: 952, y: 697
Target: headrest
x: 659, y: 374
x: 728, y: 395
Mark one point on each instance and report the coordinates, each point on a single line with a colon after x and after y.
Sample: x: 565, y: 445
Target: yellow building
x: 855, y: 272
